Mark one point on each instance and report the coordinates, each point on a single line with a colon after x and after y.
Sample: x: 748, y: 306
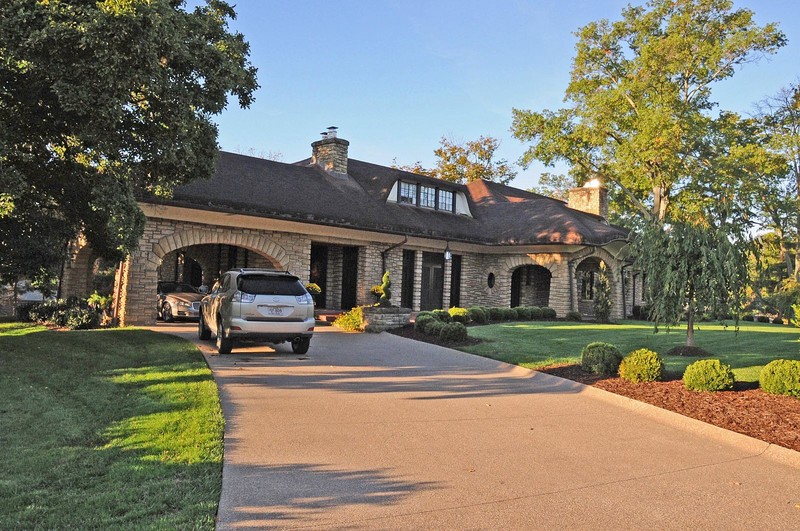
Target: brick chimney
x: 330, y: 153
x: 592, y: 197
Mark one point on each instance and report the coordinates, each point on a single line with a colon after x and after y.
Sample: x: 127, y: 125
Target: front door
x: 349, y: 277
x: 516, y: 286
x: 319, y: 272
x: 432, y: 281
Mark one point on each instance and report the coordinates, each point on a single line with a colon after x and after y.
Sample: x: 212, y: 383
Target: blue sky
x: 396, y: 76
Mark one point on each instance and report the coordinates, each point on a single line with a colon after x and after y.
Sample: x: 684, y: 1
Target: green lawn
x: 538, y: 344
x: 112, y: 429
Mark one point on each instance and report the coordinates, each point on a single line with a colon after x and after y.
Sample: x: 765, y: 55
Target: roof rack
x: 261, y: 269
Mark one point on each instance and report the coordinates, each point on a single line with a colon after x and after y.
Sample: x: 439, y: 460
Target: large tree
x: 640, y: 116
x: 464, y: 162
x: 101, y: 101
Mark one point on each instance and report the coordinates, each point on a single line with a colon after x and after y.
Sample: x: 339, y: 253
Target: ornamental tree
x: 101, y: 101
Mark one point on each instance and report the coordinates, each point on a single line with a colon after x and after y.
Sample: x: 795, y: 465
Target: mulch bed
x: 771, y: 418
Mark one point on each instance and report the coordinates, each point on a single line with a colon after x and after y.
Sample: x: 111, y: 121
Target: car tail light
x: 243, y: 297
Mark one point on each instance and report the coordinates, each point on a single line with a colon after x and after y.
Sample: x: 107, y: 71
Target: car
x: 257, y: 304
x: 177, y: 300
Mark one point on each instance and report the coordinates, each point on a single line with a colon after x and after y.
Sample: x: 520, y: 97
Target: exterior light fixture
x: 448, y: 255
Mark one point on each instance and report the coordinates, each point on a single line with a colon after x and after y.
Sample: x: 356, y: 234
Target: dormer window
x: 408, y: 193
x: 427, y: 196
x: 446, y: 200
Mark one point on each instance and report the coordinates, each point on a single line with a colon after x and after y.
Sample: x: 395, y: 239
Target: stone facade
x: 377, y: 319
x: 330, y: 154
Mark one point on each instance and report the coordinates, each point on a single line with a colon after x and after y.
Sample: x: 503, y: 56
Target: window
x: 427, y: 196
x: 270, y: 285
x: 408, y: 193
x: 446, y: 200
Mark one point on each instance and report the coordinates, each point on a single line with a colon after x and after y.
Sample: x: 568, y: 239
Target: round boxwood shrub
x: 442, y: 315
x: 548, y: 313
x: 536, y: 313
x: 434, y: 328
x: 422, y: 321
x: 781, y: 377
x: 495, y: 314
x: 762, y: 319
x: 777, y: 320
x: 748, y: 317
x: 509, y: 314
x: 641, y: 365
x: 708, y: 375
x: 453, y: 332
x: 601, y: 358
x: 523, y: 313
x: 478, y: 315
x: 573, y: 316
x: 425, y: 313
x: 459, y: 315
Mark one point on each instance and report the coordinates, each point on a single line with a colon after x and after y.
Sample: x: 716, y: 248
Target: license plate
x: 272, y: 310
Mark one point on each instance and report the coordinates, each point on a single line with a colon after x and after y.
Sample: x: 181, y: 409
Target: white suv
x: 259, y: 304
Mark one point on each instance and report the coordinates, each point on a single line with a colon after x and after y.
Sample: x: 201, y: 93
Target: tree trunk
x: 660, y: 202
x: 690, y: 327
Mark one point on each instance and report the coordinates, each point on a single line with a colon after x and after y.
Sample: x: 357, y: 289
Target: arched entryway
x: 530, y: 286
x: 586, y: 276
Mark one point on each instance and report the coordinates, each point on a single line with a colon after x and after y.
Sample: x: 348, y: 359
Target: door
x: 319, y: 272
x: 407, y: 294
x: 516, y: 286
x: 432, y: 281
x: 349, y: 277
x: 455, y: 281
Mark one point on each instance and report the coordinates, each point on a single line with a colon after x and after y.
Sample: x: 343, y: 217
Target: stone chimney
x: 330, y: 153
x: 592, y: 197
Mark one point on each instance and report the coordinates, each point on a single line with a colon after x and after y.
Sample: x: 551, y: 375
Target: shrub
x: 781, y: 377
x: 434, y: 328
x: 523, y: 313
x: 641, y: 366
x: 536, y: 313
x: 312, y: 288
x: 708, y: 375
x: 641, y: 312
x: 459, y: 315
x: 423, y: 314
x: 495, y: 314
x: 600, y: 358
x: 351, y: 320
x: 478, y: 315
x: 442, y: 315
x: 80, y: 318
x: 453, y: 332
x: 762, y: 319
x: 573, y: 316
x: 509, y: 314
x: 376, y: 291
x: 777, y: 320
x: 548, y: 313
x: 422, y: 321
x: 748, y: 318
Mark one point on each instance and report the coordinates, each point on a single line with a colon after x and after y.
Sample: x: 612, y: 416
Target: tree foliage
x: 556, y: 186
x: 464, y: 162
x: 101, y: 101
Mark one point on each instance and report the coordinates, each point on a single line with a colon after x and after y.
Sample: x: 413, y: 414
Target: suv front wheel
x: 224, y: 343
x: 300, y: 345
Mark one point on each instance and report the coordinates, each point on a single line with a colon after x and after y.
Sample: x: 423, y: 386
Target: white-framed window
x: 408, y: 193
x: 427, y: 196
x: 445, y: 200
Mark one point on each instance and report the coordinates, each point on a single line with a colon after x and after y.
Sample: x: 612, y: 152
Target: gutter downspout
x: 386, y: 252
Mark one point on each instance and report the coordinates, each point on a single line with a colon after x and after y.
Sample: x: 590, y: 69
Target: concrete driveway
x: 379, y: 432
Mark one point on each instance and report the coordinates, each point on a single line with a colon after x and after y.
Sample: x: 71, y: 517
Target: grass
x: 113, y: 429
x: 539, y: 344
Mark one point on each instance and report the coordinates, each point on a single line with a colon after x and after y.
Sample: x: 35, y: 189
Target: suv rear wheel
x: 300, y: 345
x: 202, y: 330
x: 224, y: 344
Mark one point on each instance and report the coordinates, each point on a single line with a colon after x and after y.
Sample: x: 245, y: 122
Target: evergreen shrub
x: 601, y: 358
x: 536, y: 313
x: 422, y: 321
x: 762, y: 319
x: 453, y: 332
x: 478, y: 315
x: 708, y: 375
x: 509, y: 314
x: 641, y: 365
x: 777, y: 321
x: 523, y: 313
x: 748, y: 317
x: 495, y: 314
x: 434, y: 328
x: 548, y: 313
x: 443, y: 316
x: 573, y: 316
x: 781, y: 377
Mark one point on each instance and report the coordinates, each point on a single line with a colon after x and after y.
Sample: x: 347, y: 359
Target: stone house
x: 341, y: 222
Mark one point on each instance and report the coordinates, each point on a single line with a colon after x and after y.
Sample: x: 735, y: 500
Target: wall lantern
x: 448, y: 255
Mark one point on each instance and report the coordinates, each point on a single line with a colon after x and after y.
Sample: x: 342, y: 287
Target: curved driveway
x: 380, y: 432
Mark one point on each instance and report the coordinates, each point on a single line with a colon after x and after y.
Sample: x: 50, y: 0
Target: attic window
x: 446, y: 200
x: 427, y: 196
x: 408, y: 193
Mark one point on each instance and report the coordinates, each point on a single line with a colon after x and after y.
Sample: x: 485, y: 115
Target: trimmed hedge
x: 434, y: 328
x: 762, y: 318
x: 748, y: 317
x: 548, y: 313
x: 478, y: 315
x: 509, y: 314
x: 453, y: 332
x: 573, y: 316
x: 422, y: 321
x: 601, y: 358
x: 442, y: 315
x: 536, y: 313
x: 523, y: 313
x: 781, y: 377
x: 495, y: 314
x: 641, y: 365
x: 708, y: 375
x: 778, y: 321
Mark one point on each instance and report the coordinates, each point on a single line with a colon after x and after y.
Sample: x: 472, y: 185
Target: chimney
x: 592, y: 197
x: 330, y: 153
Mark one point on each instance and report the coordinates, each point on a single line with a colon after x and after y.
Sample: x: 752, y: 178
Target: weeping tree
x: 692, y: 269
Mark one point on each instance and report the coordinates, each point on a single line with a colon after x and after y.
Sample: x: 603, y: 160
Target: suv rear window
x: 269, y: 285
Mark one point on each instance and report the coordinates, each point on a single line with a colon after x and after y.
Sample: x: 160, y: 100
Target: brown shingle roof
x: 502, y: 215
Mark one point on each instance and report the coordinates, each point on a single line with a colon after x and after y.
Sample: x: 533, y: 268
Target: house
x: 340, y: 222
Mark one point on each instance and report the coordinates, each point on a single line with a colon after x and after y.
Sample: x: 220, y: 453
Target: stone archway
x: 138, y: 277
x: 530, y: 286
x: 586, y: 275
x: 77, y: 277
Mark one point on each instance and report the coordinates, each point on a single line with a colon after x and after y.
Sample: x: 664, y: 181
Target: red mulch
x: 771, y: 418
